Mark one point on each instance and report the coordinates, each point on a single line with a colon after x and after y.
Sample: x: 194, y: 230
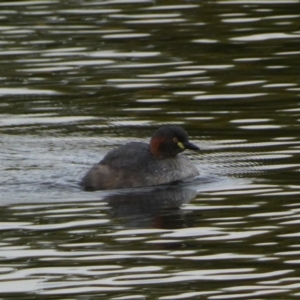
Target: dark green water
x: 79, y: 78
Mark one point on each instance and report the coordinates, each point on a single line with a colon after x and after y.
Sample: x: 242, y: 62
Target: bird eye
x: 175, y: 139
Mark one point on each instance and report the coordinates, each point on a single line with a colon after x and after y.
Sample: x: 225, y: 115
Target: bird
x: 140, y: 164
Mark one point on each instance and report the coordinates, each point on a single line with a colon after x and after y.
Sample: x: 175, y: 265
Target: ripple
x: 260, y: 127
x: 87, y: 11
x: 288, y: 53
x: 19, y: 286
x: 243, y: 83
x: 48, y: 69
x: 125, y: 36
x: 78, y: 63
x: 173, y: 74
x: 187, y: 295
x: 205, y: 41
x: 172, y: 7
x: 28, y: 119
x: 223, y: 256
x: 80, y: 290
x: 241, y: 20
x: 207, y: 67
x: 241, y: 121
x: 156, y: 21
x: 152, y: 100
x: 265, y: 36
x: 229, y: 96
x: 250, y: 294
x: 137, y: 85
x: 146, y: 16
x: 147, y: 65
x: 54, y: 226
x: 279, y: 85
x: 247, y: 2
x: 21, y: 3
x: 26, y: 91
x: 234, y: 231
x: 132, y: 54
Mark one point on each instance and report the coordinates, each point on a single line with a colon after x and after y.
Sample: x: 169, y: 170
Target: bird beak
x: 189, y: 145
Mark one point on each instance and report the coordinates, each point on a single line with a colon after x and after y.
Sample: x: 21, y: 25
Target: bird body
x: 138, y: 164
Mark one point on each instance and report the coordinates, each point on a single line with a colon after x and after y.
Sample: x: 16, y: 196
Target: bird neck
x: 159, y: 148
x: 155, y: 147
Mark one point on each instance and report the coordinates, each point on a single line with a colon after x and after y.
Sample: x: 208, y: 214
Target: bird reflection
x: 159, y: 208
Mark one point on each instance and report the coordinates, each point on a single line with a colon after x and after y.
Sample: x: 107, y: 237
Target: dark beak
x: 189, y: 145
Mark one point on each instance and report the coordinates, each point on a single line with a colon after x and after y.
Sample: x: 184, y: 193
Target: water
x: 81, y: 77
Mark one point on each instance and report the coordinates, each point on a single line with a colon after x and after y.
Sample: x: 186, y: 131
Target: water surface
x: 80, y: 78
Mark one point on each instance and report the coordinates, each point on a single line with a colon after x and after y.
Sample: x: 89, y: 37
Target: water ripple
x: 80, y: 78
x: 265, y: 36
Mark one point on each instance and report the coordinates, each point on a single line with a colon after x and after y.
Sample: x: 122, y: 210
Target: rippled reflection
x: 81, y: 78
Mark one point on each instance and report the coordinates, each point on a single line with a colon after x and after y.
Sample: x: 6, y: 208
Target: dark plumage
x: 137, y: 164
